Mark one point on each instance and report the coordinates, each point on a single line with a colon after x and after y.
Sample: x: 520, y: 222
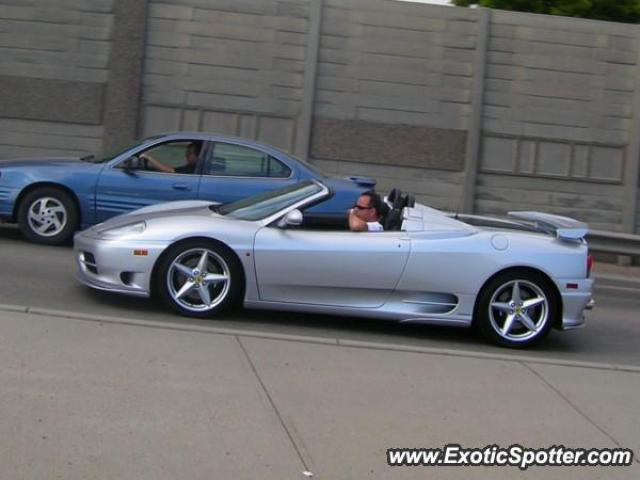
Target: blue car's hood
x: 56, y: 162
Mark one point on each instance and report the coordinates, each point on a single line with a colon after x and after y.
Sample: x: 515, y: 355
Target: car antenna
x: 457, y: 211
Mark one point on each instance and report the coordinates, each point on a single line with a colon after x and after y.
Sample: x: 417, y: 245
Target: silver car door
x: 338, y: 268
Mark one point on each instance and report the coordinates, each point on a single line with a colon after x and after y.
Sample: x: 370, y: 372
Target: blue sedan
x: 51, y: 198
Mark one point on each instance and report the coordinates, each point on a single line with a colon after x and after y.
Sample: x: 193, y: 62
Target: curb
x: 318, y: 340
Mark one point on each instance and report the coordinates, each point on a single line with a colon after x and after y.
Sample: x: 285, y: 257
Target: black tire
x: 535, y: 305
x: 48, y: 215
x: 170, y: 277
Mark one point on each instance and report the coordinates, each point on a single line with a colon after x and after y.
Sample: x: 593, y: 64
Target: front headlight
x: 125, y: 230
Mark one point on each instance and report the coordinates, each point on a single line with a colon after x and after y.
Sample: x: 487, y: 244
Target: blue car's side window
x: 169, y: 157
x: 238, y: 161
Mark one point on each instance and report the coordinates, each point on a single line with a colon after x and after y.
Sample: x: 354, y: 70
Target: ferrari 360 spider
x: 513, y: 279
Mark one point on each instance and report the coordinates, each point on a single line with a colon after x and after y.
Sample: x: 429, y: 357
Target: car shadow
x: 11, y: 232
x: 373, y: 331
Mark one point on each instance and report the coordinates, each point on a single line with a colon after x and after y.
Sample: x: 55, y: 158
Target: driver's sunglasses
x: 360, y: 207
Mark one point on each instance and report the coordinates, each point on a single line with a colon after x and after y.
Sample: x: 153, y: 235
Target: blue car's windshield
x: 265, y: 204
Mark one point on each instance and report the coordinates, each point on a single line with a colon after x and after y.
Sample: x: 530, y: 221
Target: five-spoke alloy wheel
x: 517, y: 308
x: 48, y: 215
x: 199, y: 278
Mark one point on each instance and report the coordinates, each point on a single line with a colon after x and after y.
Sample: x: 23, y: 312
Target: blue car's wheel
x: 48, y: 215
x: 199, y: 278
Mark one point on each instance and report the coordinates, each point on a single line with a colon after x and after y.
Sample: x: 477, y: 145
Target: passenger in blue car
x: 192, y: 154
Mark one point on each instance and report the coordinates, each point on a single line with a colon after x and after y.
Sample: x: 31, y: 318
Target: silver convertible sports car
x: 513, y: 279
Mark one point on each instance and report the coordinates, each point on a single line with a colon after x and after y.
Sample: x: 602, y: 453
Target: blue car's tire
x: 48, y: 215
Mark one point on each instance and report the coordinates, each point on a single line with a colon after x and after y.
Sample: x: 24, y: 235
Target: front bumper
x: 117, y: 266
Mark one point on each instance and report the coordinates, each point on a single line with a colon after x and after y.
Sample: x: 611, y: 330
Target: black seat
x: 393, y: 219
x: 409, y: 201
x: 394, y: 196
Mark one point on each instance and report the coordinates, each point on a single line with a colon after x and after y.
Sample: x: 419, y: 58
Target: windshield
x: 265, y: 204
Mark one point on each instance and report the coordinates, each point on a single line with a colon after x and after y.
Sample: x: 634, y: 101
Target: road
x: 43, y: 277
x: 118, y: 388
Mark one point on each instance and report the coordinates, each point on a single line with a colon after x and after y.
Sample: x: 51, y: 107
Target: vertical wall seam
x: 474, y: 131
x: 122, y: 102
x: 303, y: 129
x: 632, y: 157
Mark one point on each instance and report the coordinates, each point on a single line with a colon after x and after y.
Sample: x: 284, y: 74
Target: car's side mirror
x: 292, y: 219
x: 130, y: 163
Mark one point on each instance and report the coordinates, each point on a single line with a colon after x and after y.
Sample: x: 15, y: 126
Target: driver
x: 365, y: 214
x: 191, y: 155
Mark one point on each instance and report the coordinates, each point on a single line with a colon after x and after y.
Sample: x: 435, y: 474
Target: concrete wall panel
x: 53, y: 67
x: 601, y: 208
x: 241, y: 64
x: 563, y: 91
x: 379, y: 143
x: 26, y: 138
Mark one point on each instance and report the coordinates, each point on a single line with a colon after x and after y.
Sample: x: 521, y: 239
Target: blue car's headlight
x: 124, y: 231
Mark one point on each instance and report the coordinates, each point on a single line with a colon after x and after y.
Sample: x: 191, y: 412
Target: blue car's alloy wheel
x: 48, y: 215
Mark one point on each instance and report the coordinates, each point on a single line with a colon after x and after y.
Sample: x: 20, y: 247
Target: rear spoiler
x: 366, y: 182
x: 562, y: 227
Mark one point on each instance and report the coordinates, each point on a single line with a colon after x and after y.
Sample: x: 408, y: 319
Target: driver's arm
x: 157, y: 164
x: 356, y: 224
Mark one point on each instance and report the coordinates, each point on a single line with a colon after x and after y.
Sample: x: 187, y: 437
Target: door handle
x: 180, y: 186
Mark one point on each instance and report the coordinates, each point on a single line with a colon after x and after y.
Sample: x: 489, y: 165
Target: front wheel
x: 48, y: 215
x: 517, y: 309
x: 199, y: 279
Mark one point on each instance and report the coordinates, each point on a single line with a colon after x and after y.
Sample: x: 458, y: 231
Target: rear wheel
x: 517, y: 309
x: 48, y: 215
x: 199, y: 279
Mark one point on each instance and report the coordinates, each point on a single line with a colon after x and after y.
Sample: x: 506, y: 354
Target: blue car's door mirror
x: 133, y: 163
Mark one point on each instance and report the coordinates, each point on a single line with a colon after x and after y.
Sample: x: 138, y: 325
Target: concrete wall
x: 469, y: 109
x: 393, y: 95
x: 53, y: 68
x: 557, y: 116
x: 229, y: 67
